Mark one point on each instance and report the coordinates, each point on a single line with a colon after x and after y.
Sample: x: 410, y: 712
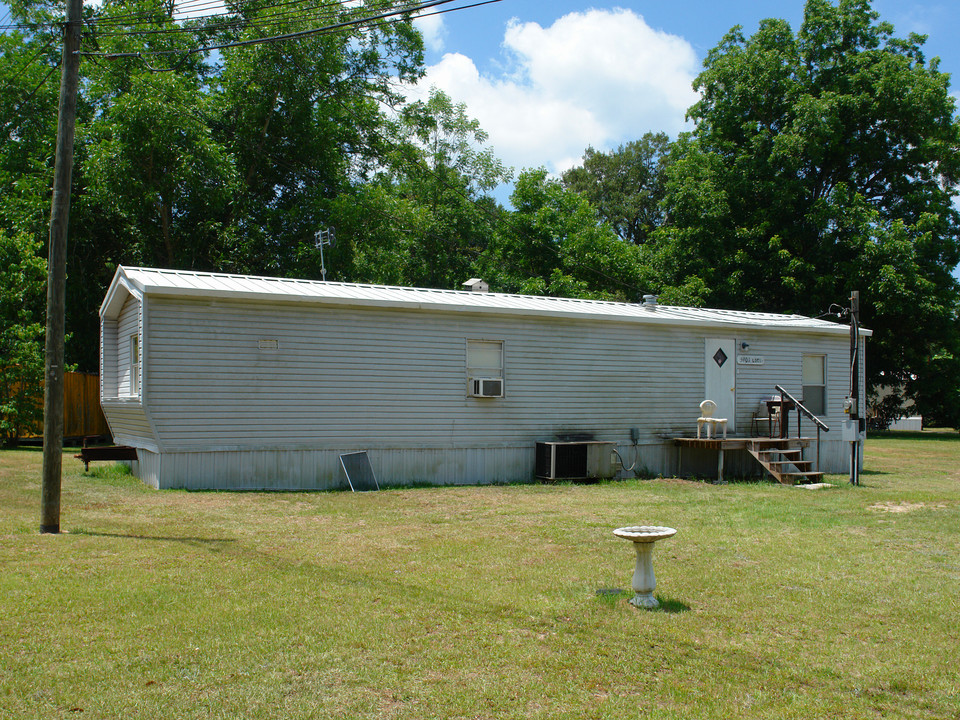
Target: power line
x: 279, y: 38
x: 9, y: 124
x: 263, y: 20
x: 237, y: 21
x: 151, y: 19
x: 182, y: 11
x: 19, y: 73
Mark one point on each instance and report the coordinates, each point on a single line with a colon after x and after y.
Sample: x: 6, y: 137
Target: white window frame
x: 822, y: 385
x: 135, y: 364
x: 484, y: 359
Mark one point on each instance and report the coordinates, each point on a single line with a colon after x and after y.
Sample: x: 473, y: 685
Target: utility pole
x: 57, y: 274
x: 855, y: 385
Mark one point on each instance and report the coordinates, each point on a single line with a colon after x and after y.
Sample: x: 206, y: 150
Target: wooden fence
x: 82, y: 415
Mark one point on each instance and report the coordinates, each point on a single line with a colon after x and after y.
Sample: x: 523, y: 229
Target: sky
x: 548, y: 78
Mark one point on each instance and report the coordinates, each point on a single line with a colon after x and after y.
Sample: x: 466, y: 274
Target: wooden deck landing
x: 736, y: 443
x: 733, y: 443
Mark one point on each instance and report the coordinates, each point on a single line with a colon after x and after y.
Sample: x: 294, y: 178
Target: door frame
x: 720, y: 377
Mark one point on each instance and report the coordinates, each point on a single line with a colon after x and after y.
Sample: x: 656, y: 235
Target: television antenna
x: 321, y: 238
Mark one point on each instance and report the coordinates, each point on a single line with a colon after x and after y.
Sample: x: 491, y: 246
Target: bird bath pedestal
x: 644, y: 582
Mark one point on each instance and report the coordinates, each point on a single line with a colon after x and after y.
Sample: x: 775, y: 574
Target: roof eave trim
x: 120, y: 288
x: 646, y: 318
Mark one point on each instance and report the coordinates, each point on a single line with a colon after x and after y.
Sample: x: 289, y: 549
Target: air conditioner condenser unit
x: 583, y: 460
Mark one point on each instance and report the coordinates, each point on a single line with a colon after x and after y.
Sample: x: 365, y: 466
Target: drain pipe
x: 635, y: 438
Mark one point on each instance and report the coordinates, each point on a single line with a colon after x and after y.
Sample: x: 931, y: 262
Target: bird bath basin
x: 643, y: 538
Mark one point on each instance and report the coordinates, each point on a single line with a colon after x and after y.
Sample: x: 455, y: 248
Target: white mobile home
x: 238, y: 382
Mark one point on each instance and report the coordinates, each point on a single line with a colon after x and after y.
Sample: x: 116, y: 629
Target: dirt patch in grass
x: 904, y: 507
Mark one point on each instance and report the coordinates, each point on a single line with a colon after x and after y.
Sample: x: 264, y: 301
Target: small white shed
x: 239, y: 382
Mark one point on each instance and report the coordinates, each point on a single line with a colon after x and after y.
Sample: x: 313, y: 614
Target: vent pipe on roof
x: 476, y: 285
x: 650, y: 301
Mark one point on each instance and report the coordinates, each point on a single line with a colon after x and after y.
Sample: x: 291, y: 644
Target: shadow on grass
x: 130, y: 536
x: 23, y: 448
x: 942, y: 435
x: 668, y: 605
x: 613, y: 596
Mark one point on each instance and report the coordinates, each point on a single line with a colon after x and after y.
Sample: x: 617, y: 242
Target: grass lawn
x: 482, y: 602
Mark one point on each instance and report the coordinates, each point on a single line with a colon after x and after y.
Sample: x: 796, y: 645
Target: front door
x: 721, y: 377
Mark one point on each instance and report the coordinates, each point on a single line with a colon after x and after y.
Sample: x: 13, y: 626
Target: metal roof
x: 186, y: 283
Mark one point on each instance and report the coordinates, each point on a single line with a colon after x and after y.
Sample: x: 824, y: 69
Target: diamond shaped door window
x: 720, y: 357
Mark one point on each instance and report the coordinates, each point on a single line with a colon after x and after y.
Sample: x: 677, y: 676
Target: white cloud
x: 433, y: 30
x: 600, y: 78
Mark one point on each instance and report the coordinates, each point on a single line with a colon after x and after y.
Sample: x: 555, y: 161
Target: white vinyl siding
x: 128, y: 325
x: 783, y: 355
x: 129, y: 423
x: 108, y: 359
x: 348, y: 376
x: 120, y: 377
x: 255, y: 392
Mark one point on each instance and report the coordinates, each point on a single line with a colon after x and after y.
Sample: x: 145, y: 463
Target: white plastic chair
x: 707, y: 409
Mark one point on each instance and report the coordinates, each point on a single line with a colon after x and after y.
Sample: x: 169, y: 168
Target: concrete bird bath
x: 644, y: 582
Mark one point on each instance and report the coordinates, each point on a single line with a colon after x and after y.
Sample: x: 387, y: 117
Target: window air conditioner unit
x: 486, y: 387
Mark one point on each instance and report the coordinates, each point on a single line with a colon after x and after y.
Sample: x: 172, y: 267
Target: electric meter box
x: 854, y: 430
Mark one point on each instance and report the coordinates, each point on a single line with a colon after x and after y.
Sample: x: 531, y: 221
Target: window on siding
x: 134, y: 364
x: 815, y: 383
x: 484, y: 358
x: 485, y: 368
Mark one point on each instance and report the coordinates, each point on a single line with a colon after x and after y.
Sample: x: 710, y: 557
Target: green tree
x: 28, y: 103
x: 191, y: 160
x: 425, y: 216
x: 157, y: 173
x: 23, y: 277
x: 554, y: 243
x: 626, y: 185
x: 823, y: 161
x: 306, y: 122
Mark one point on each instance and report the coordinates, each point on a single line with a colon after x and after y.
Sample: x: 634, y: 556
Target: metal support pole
x: 818, y: 448
x: 323, y: 266
x: 57, y: 275
x: 855, y: 385
x: 321, y: 238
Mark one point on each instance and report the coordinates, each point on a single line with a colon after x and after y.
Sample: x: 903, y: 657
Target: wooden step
x: 769, y: 459
x: 801, y: 478
x: 783, y: 459
x: 780, y: 453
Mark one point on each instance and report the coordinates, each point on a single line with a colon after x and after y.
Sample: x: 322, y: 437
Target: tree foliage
x: 424, y: 217
x: 192, y: 160
x: 22, y: 289
x: 554, y: 243
x: 823, y: 161
x: 626, y: 185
